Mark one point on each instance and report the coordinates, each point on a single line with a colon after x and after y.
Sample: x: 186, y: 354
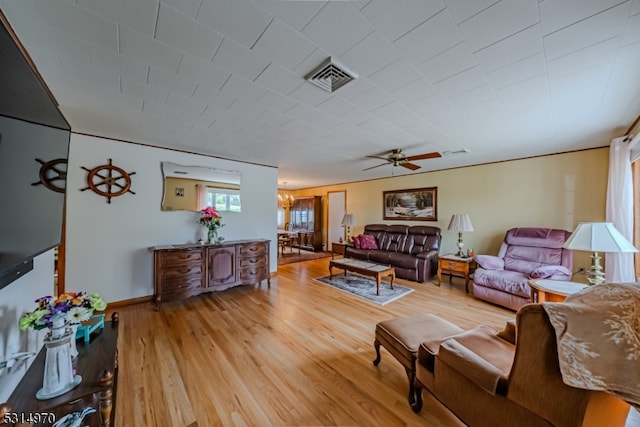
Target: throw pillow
x: 489, y: 262
x: 550, y: 271
x: 356, y: 242
x: 367, y: 241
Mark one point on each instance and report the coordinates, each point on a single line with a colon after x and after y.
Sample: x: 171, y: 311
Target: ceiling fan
x: 396, y: 158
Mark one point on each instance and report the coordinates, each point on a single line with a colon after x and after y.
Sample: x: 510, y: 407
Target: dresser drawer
x: 180, y: 271
x: 181, y: 258
x: 253, y: 249
x: 252, y: 275
x: 184, y: 285
x: 252, y: 262
x: 454, y: 265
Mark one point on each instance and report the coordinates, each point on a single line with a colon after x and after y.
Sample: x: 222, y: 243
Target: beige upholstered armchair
x: 513, y: 377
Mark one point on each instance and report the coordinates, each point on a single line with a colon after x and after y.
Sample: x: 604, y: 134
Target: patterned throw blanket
x: 598, y: 334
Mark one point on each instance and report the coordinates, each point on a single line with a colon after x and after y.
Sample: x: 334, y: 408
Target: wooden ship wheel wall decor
x: 108, y: 181
x: 53, y: 174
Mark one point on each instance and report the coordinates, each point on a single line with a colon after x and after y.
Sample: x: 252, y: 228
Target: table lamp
x: 460, y: 223
x: 347, y: 220
x: 597, y: 237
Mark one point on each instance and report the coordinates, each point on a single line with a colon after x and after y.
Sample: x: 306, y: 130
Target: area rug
x: 365, y: 287
x: 289, y: 257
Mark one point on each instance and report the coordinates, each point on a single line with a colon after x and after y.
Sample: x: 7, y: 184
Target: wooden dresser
x: 98, y: 366
x: 181, y: 271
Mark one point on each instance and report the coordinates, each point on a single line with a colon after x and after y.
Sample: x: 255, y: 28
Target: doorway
x: 335, y: 211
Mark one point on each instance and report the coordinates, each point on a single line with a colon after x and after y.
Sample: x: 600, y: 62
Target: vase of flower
x: 211, y: 235
x: 58, y: 377
x: 212, y: 220
x: 61, y: 316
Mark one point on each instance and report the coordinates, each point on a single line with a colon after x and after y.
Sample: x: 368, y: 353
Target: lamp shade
x: 347, y: 219
x: 598, y: 237
x: 460, y: 223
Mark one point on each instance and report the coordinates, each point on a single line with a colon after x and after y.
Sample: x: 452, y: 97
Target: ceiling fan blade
x: 373, y: 167
x: 378, y: 157
x: 409, y: 166
x: 424, y: 156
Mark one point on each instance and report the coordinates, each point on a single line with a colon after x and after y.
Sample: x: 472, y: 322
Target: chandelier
x: 285, y: 199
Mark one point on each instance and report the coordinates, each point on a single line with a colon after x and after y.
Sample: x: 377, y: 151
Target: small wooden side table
x: 456, y: 266
x: 545, y: 290
x: 338, y: 248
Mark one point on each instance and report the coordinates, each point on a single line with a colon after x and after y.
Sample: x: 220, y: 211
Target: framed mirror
x: 192, y: 188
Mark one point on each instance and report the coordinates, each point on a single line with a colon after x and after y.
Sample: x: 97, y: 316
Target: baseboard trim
x: 113, y: 306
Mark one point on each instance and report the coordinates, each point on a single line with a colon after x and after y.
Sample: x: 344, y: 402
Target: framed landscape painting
x: 418, y: 204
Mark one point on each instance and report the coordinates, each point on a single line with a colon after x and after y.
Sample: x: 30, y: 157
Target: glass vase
x: 211, y: 236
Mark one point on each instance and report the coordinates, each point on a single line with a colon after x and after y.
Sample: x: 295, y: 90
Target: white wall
x: 107, y: 244
x: 15, y: 300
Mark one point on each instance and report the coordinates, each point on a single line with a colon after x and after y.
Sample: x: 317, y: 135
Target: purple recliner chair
x: 526, y: 253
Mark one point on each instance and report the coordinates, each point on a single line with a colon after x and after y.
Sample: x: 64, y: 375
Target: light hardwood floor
x: 296, y: 354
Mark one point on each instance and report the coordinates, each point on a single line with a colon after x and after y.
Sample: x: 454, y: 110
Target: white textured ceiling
x: 504, y: 79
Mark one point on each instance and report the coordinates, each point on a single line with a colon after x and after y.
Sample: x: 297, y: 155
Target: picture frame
x: 416, y: 204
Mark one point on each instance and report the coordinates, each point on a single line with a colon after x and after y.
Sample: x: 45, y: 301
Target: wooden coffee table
x: 365, y: 268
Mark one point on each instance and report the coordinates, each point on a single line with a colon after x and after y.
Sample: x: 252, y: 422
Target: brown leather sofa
x: 510, y: 378
x: 412, y: 250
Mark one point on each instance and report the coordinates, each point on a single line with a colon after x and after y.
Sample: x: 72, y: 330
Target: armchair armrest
x: 554, y: 272
x: 509, y: 332
x: 489, y: 262
x: 472, y: 366
x: 427, y: 254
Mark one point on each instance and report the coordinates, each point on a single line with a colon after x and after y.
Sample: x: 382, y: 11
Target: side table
x: 456, y: 266
x: 545, y: 290
x: 338, y: 248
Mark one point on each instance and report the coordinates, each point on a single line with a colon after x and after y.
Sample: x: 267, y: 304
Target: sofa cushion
x: 403, y: 260
x: 512, y: 282
x: 525, y: 259
x: 536, y: 236
x: 368, y: 242
x: 380, y: 257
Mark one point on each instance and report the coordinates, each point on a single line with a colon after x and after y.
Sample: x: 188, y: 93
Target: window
x: 223, y: 200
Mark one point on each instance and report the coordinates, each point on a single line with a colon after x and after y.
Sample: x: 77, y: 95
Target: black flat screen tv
x: 33, y: 134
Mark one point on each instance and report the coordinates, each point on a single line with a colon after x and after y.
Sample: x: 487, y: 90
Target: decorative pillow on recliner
x: 548, y: 271
x: 489, y: 262
x: 356, y: 241
x: 367, y: 241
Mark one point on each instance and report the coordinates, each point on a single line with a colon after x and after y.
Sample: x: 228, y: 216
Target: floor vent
x: 330, y: 75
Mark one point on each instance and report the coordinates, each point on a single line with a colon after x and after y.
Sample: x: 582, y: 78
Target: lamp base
x: 595, y: 276
x: 460, y: 245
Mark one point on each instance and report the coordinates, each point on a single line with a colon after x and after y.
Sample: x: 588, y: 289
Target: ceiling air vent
x: 330, y: 75
x: 455, y: 152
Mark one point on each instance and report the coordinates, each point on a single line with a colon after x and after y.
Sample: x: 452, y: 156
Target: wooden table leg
x: 106, y: 402
x: 378, y: 284
x: 439, y: 275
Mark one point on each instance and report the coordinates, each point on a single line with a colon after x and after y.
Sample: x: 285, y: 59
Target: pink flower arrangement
x: 211, y: 218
